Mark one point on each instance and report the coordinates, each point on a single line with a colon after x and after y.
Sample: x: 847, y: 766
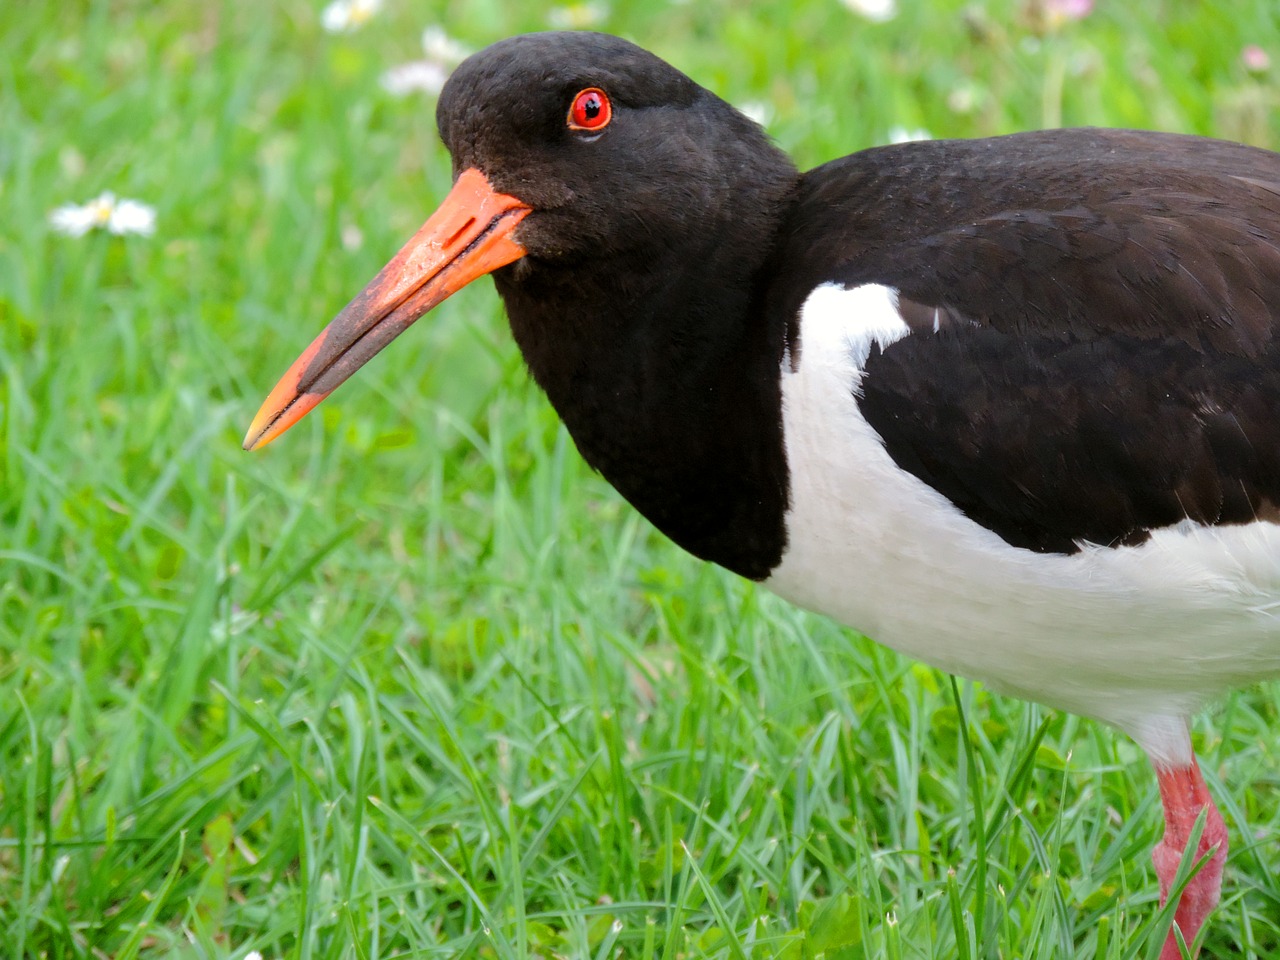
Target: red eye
x: 590, y: 110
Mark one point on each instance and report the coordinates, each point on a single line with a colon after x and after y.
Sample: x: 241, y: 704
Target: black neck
x: 670, y: 384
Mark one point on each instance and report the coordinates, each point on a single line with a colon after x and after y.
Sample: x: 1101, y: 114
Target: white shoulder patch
x: 835, y: 317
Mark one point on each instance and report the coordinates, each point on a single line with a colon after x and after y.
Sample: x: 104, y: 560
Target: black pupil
x: 590, y: 106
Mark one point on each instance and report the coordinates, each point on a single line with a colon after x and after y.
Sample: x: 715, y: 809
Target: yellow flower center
x: 101, y: 210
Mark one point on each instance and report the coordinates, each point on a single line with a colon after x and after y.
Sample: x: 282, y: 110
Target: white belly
x: 1139, y: 636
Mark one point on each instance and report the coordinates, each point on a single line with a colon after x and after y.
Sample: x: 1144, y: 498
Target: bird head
x: 572, y: 153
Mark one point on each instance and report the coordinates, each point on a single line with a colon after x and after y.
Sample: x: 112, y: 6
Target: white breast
x: 1139, y: 636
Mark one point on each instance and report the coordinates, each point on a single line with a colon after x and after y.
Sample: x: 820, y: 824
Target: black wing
x: 1094, y: 321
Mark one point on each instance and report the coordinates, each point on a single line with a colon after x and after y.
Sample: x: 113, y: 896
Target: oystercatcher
x: 1010, y: 406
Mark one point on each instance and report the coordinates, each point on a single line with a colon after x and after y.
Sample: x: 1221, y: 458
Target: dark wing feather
x: 1049, y: 443
x: 1106, y: 360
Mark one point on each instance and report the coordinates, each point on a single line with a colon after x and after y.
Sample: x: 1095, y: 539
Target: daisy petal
x: 876, y: 10
x: 757, y: 110
x: 442, y: 48
x: 132, y: 216
x: 418, y: 76
x: 578, y: 16
x: 336, y: 17
x: 72, y: 219
x: 908, y: 135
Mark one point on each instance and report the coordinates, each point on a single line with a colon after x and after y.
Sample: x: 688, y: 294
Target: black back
x: 1105, y: 361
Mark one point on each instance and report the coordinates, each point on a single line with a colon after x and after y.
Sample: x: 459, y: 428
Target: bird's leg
x: 1184, y: 795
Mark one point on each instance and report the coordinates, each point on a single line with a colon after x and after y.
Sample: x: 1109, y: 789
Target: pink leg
x: 1184, y: 794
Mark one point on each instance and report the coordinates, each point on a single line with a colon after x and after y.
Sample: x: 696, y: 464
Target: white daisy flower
x: 578, y: 16
x: 343, y: 16
x: 104, y: 212
x: 439, y: 47
x: 419, y: 76
x: 907, y: 135
x: 352, y: 237
x: 877, y: 10
x: 442, y: 54
x: 965, y: 98
x: 757, y: 110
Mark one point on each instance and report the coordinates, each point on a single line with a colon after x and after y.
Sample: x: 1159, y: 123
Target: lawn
x: 413, y: 682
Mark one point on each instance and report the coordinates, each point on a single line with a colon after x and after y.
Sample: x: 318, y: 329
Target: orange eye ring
x: 590, y: 111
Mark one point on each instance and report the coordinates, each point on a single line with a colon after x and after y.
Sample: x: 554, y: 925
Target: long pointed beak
x: 467, y: 237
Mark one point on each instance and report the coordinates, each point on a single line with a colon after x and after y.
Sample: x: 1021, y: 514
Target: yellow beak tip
x: 260, y: 432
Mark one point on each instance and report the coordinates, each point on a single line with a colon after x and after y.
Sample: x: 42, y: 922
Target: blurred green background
x: 413, y: 682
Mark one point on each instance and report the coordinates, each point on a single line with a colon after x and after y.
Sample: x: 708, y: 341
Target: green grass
x: 413, y: 682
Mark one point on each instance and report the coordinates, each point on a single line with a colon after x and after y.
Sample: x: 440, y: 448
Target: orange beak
x: 467, y: 237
